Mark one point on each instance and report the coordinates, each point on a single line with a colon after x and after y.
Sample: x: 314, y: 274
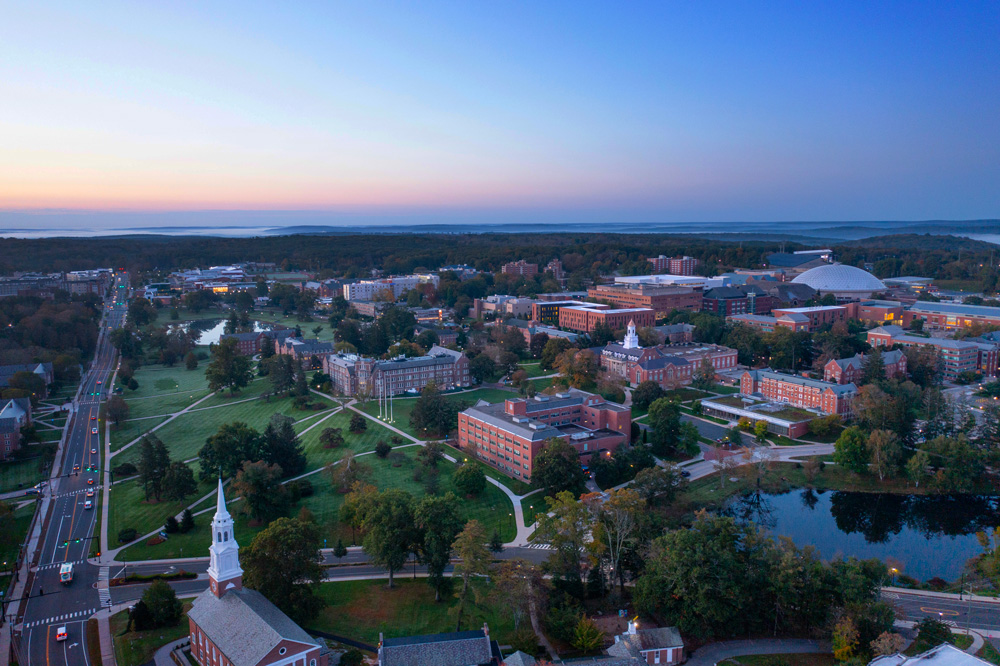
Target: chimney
x: 631, y: 626
x: 486, y: 629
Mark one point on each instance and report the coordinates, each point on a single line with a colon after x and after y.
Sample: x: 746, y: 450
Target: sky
x: 377, y: 112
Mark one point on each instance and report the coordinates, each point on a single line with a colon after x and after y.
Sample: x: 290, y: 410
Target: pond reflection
x: 932, y: 535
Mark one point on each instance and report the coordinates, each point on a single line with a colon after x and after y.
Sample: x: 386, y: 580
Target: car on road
x: 93, y: 418
x: 90, y: 482
x: 76, y: 467
x: 32, y: 491
x: 61, y: 634
x: 93, y: 431
x: 93, y: 450
x: 685, y: 473
x: 98, y: 381
x: 90, y: 492
x: 89, y: 504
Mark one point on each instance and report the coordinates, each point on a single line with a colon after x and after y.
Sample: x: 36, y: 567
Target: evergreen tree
x: 187, y: 521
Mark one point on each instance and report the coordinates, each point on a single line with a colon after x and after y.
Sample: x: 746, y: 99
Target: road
x: 69, y: 526
x: 962, y: 614
x: 354, y: 565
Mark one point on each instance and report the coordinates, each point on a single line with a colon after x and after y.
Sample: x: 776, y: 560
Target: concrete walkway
x: 713, y: 653
x: 523, y: 531
x: 162, y: 656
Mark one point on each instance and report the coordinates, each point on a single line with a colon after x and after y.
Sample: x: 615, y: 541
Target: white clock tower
x: 224, y: 572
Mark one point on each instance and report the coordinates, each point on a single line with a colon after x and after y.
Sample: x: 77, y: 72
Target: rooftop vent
x: 541, y: 398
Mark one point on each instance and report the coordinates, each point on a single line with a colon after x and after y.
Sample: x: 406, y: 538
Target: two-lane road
x: 70, y: 526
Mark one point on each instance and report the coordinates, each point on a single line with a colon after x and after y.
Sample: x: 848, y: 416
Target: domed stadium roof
x: 840, y: 279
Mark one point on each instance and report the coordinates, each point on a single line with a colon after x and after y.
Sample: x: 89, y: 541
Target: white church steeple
x: 631, y: 339
x: 224, y: 572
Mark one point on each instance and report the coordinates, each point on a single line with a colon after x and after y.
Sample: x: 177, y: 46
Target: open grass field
x: 686, y: 394
x: 363, y: 609
x: 158, y: 380
x: 403, y: 407
x: 21, y: 474
x: 137, y: 647
x: 131, y: 430
x: 725, y: 390
x: 534, y: 370
x: 129, y: 507
x: 356, y: 443
x: 10, y: 547
x: 193, y: 544
x: 185, y: 435
x: 492, y: 508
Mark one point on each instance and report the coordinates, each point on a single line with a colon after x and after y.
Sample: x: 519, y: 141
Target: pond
x: 210, y: 330
x: 930, y: 535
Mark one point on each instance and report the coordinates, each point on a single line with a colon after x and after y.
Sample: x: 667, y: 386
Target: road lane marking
x: 939, y: 611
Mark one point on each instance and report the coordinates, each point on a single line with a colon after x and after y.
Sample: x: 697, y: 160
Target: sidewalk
x: 941, y: 595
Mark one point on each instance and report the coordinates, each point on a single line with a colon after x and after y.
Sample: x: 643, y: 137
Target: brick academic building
x: 798, y: 391
x: 586, y: 318
x: 510, y: 434
x: 662, y: 300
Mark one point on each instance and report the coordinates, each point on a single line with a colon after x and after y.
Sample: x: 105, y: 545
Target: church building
x: 235, y: 626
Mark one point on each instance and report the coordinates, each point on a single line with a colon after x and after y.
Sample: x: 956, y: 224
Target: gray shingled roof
x: 459, y: 648
x: 632, y: 645
x: 662, y: 362
x: 244, y: 625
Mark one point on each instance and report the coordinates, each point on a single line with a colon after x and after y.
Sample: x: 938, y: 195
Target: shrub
x: 171, y: 526
x: 125, y: 469
x: 299, y: 488
x: 126, y: 535
x: 352, y: 657
x: 382, y: 449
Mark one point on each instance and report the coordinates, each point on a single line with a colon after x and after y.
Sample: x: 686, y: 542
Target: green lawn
x: 18, y: 474
x: 531, y: 506
x: 185, y: 435
x: 137, y: 647
x: 129, y: 508
x: 686, y: 394
x: 156, y: 380
x: 989, y: 653
x: 403, y: 407
x: 131, y: 430
x: 10, y: 547
x: 534, y: 370
x: 961, y: 641
x: 49, y: 435
x: 356, y: 443
x: 163, y: 405
x: 492, y: 508
x: 725, y: 390
x: 363, y: 609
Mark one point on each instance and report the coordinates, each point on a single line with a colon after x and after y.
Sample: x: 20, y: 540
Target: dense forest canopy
x: 585, y: 255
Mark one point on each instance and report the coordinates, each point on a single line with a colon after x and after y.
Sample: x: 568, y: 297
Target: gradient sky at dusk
x: 663, y: 110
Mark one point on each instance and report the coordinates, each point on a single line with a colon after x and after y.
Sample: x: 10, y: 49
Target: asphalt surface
x: 961, y: 614
x: 69, y: 527
x: 354, y: 565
